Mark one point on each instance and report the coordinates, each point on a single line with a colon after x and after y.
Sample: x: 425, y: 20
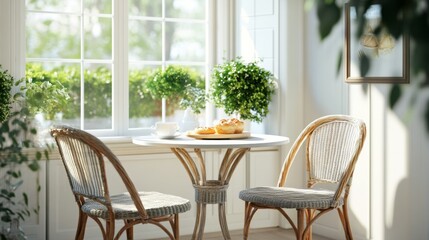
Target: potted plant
x: 182, y: 87
x: 243, y: 89
x: 44, y: 93
x: 179, y: 85
x: 18, y: 149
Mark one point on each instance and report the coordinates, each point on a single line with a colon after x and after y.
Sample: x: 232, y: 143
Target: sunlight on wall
x: 396, y: 165
x: 247, y: 34
x: 360, y: 191
x: 389, y: 169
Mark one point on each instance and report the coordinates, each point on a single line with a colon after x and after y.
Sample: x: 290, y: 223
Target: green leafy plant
x: 242, y: 88
x: 177, y: 84
x: 18, y: 149
x: 44, y: 93
x: 6, y: 81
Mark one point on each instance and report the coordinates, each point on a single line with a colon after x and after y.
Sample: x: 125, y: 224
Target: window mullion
x: 124, y: 63
x: 117, y: 93
x: 163, y: 57
x: 82, y: 65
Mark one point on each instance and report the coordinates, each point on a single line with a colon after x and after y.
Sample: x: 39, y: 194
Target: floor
x: 257, y: 234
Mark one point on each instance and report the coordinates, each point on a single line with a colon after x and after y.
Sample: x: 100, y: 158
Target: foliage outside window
x: 71, y: 53
x: 63, y: 91
x: 6, y: 81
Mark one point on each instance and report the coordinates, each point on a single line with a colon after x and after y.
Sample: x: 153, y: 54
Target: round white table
x: 210, y: 191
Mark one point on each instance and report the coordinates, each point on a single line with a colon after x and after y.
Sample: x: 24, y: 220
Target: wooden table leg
x: 209, y: 191
x: 200, y: 222
x: 222, y: 221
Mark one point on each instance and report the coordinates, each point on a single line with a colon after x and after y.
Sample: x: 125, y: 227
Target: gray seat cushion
x: 156, y: 205
x: 284, y: 197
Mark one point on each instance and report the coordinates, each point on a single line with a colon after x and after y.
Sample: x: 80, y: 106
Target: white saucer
x: 167, y: 137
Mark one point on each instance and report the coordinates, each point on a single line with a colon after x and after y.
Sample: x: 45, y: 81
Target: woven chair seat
x: 156, y: 205
x: 285, y: 197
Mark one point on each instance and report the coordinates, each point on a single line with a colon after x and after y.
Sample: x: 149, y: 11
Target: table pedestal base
x: 209, y: 191
x: 213, y: 192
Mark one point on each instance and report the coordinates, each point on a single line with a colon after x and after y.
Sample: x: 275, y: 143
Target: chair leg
x: 80, y: 231
x: 175, y: 226
x: 344, y: 216
x: 249, y: 211
x: 110, y: 229
x: 309, y: 217
x: 300, y: 223
x: 130, y: 230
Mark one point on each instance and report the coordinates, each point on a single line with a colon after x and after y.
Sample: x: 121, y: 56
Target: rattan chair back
x: 84, y: 165
x: 332, y: 146
x: 84, y: 157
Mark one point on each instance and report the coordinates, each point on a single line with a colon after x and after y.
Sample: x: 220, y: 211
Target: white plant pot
x: 189, y: 121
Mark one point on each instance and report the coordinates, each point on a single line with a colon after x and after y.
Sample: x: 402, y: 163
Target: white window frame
x: 120, y: 125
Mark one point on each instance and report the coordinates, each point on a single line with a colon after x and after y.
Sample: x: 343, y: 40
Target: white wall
x: 11, y: 36
x: 273, y: 31
x: 389, y: 192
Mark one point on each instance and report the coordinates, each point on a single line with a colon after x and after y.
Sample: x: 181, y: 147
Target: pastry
x: 225, y: 127
x: 239, y: 125
x: 205, y: 130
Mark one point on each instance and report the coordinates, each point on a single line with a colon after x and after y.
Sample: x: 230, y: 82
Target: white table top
x: 255, y: 140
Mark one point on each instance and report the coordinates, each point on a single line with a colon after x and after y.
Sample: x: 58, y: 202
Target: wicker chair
x: 84, y: 158
x: 332, y: 149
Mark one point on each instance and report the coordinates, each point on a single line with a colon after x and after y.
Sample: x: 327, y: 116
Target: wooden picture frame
x: 388, y: 57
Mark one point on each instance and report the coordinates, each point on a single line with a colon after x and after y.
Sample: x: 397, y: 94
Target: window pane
x: 185, y: 9
x: 97, y: 6
x: 145, y: 8
x: 54, y: 5
x: 187, y: 41
x: 98, y: 96
x: 98, y: 38
x: 144, y: 111
x: 145, y: 40
x: 59, y: 101
x: 53, y: 36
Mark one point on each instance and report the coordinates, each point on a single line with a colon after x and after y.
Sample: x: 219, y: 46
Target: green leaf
x: 38, y: 155
x: 426, y: 116
x: 329, y: 14
x: 395, y: 94
x: 339, y: 61
x: 34, y: 166
x: 6, y: 219
x: 25, y: 196
x: 364, y: 65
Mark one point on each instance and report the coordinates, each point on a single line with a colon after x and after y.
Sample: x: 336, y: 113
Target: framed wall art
x: 375, y: 57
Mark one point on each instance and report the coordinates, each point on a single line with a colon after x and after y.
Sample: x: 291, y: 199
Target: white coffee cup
x: 165, y: 129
